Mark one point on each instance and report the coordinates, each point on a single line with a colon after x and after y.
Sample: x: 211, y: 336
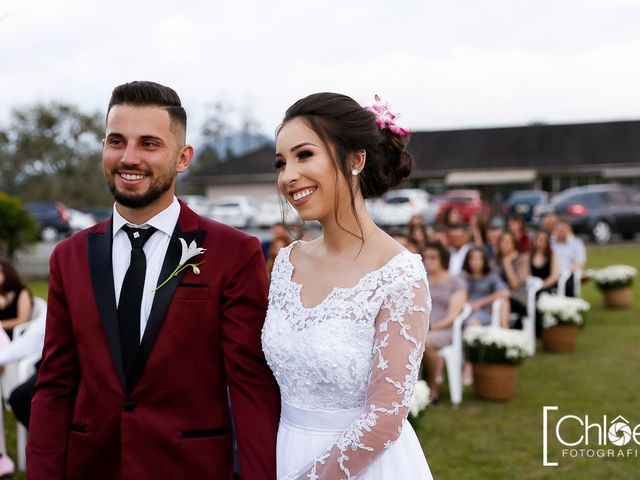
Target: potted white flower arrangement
x: 419, y: 401
x: 615, y: 283
x: 562, y: 317
x: 495, y: 353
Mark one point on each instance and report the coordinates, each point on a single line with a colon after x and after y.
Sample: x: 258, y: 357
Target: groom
x: 138, y: 362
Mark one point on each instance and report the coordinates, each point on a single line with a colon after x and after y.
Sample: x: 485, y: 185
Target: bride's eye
x: 304, y: 154
x: 278, y: 164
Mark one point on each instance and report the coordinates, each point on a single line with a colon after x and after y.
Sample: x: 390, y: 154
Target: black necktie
x: 131, y: 298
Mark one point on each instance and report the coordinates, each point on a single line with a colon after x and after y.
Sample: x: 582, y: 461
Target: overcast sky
x: 458, y: 64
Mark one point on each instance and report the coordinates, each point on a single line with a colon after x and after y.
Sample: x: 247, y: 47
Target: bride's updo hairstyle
x: 345, y: 127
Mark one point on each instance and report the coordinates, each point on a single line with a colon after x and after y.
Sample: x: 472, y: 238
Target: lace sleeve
x: 401, y: 327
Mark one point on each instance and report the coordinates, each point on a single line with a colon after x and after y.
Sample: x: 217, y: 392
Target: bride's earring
x: 355, y: 172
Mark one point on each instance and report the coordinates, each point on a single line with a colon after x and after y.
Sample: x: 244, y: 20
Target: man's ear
x: 185, y: 155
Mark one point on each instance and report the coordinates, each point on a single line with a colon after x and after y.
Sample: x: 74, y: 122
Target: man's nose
x: 130, y: 157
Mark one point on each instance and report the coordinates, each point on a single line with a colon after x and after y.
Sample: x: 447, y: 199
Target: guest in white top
x: 570, y: 251
x: 458, y: 247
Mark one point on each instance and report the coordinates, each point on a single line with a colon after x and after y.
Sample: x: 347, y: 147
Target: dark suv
x: 525, y: 203
x: 601, y: 210
x: 52, y: 218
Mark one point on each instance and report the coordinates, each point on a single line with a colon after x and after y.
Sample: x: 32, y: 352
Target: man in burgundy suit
x: 136, y: 371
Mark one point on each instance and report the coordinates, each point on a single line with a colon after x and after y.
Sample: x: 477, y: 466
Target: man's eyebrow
x: 115, y: 134
x: 303, y: 144
x: 152, y: 137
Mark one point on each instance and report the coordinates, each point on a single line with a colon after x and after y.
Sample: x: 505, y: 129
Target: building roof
x: 542, y: 148
x: 546, y: 148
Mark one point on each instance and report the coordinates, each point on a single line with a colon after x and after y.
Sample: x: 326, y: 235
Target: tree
x: 52, y: 152
x: 17, y: 227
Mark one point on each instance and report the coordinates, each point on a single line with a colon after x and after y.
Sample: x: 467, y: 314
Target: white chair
x: 577, y: 281
x: 26, y: 368
x: 496, y: 313
x: 454, y: 357
x: 534, y: 284
x: 18, y: 372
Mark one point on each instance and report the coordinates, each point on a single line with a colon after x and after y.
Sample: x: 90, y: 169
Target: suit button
x: 129, y: 406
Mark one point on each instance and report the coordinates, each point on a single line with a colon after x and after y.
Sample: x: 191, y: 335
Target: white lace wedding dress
x: 346, y: 369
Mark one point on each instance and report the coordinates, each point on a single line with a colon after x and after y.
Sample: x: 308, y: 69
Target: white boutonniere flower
x: 188, y: 252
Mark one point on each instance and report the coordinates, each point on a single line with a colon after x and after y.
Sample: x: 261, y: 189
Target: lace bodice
x: 360, y: 347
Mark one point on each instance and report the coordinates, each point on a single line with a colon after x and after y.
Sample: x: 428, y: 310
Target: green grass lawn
x: 484, y: 440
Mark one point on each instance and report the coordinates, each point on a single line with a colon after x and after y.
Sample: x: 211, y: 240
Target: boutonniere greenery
x: 188, y: 252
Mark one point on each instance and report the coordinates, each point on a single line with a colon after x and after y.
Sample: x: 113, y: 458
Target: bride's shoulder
x: 397, y: 256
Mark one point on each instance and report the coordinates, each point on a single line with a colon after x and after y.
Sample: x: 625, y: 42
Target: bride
x: 348, y: 311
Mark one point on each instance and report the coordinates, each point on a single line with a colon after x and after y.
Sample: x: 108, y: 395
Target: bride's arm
x: 401, y: 328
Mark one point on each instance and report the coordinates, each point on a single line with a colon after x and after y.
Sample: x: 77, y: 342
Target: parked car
x: 468, y: 202
x: 396, y: 207
x: 601, y: 210
x: 80, y: 220
x: 526, y: 203
x: 100, y: 213
x: 52, y: 218
x: 269, y: 212
x: 236, y: 210
x: 198, y: 203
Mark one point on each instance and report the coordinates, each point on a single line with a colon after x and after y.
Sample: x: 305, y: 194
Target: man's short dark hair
x: 140, y: 94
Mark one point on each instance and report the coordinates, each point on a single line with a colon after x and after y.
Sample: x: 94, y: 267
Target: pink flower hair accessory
x: 386, y: 119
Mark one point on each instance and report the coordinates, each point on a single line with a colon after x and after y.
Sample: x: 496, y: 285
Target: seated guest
x: 448, y: 295
x: 549, y: 223
x: 418, y: 236
x: 483, y: 288
x: 452, y: 217
x: 458, y: 247
x: 278, y: 230
x: 415, y: 220
x: 402, y: 239
x: 543, y: 261
x: 515, y: 225
x: 276, y: 244
x: 440, y: 235
x: 15, y: 298
x: 543, y: 264
x: 494, y: 230
x: 570, y: 250
x: 30, y: 342
x: 513, y: 268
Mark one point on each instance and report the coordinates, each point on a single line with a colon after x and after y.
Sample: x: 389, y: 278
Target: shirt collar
x: 165, y: 221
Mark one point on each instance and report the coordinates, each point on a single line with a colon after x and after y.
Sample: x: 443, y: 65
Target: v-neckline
x: 333, y: 290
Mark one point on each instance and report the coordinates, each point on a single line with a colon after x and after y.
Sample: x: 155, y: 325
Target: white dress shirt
x: 456, y: 259
x: 569, y: 252
x: 154, y: 249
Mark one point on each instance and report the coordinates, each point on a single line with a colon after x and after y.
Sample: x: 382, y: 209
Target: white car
x: 270, y: 212
x: 236, y: 210
x: 396, y: 207
x: 198, y: 203
x: 79, y: 220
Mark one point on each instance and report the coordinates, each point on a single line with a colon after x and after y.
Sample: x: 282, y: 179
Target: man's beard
x: 158, y: 187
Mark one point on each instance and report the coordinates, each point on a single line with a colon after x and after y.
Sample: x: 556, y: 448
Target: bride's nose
x: 288, y: 176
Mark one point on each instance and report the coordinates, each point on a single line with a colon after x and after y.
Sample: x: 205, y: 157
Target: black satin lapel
x: 162, y: 297
x: 101, y: 268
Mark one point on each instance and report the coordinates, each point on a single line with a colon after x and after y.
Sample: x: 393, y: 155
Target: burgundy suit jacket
x: 202, y: 336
